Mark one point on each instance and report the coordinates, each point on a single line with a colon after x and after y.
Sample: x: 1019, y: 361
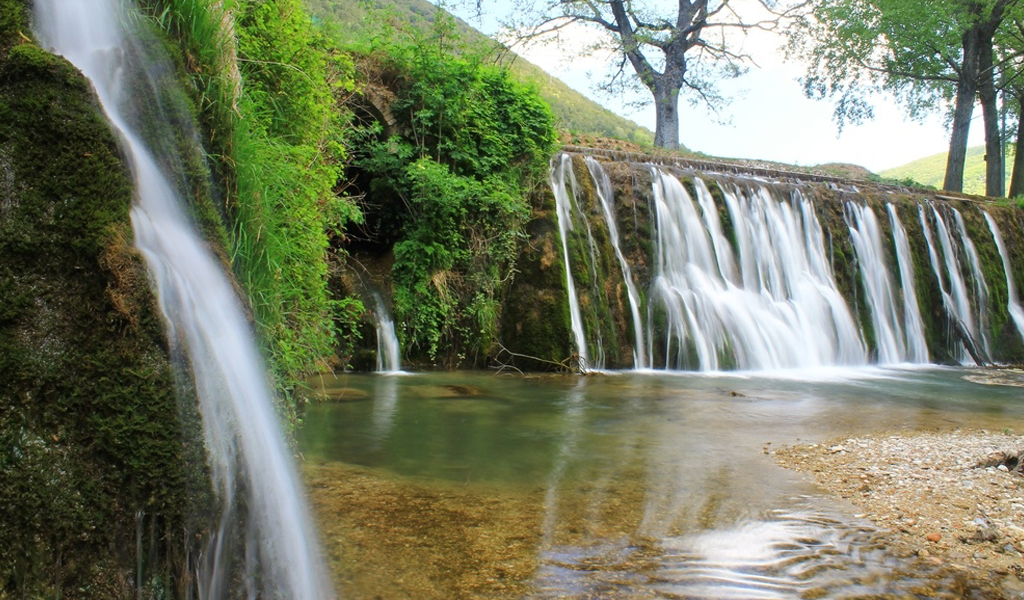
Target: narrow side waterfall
x: 917, y: 346
x: 246, y: 450
x: 604, y: 194
x: 1012, y: 302
x: 899, y: 331
x: 389, y: 356
x: 775, y: 306
x: 561, y: 169
x: 881, y: 297
x: 954, y: 291
x: 978, y: 278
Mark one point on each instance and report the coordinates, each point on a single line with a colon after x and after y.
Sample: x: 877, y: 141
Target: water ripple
x: 791, y: 554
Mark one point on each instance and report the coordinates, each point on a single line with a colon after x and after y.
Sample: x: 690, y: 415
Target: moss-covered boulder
x: 91, y: 452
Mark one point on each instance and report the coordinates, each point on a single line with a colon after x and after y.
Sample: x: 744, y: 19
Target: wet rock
x: 1007, y: 459
x: 344, y: 394
x: 442, y: 392
x: 985, y: 532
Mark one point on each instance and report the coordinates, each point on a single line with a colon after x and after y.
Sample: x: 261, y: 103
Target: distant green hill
x: 931, y: 170
x: 576, y: 113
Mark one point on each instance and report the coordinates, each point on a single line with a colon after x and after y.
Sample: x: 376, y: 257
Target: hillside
x: 576, y: 113
x: 931, y: 170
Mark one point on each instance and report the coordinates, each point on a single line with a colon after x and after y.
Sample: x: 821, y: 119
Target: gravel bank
x: 954, y: 498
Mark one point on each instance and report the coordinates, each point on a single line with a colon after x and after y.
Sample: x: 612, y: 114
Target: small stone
x: 923, y: 553
x: 1003, y: 468
x: 934, y: 537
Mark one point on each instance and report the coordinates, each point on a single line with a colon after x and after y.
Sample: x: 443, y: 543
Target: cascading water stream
x: 245, y: 447
x: 954, y: 297
x: 604, y: 194
x: 917, y: 345
x: 561, y: 168
x: 866, y: 235
x: 978, y: 277
x: 1012, y: 302
x: 389, y: 357
x: 779, y: 307
x: 740, y: 275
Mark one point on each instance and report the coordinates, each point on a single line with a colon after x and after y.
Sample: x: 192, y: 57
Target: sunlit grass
x: 263, y: 87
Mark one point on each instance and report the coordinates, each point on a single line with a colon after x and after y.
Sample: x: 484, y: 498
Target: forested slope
x: 575, y: 112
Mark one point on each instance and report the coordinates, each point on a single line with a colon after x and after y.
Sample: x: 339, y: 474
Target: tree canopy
x: 691, y: 46
x: 929, y: 59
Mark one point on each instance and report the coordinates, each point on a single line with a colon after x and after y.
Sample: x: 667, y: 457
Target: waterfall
x: 742, y: 272
x: 565, y: 202
x: 604, y: 194
x: 1012, y: 303
x: 917, y: 346
x: 775, y: 306
x: 954, y: 297
x: 389, y: 358
x: 246, y: 450
x: 978, y: 277
x: 866, y: 235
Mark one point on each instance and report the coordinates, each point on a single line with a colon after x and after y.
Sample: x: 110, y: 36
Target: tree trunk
x: 994, y: 174
x: 1017, y: 180
x: 666, y: 108
x: 964, y: 108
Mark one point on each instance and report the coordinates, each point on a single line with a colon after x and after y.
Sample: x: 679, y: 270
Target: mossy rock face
x: 535, y: 312
x: 603, y: 300
x: 91, y: 443
x: 13, y: 18
x: 1007, y: 344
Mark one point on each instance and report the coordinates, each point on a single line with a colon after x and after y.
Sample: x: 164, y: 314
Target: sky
x: 768, y: 116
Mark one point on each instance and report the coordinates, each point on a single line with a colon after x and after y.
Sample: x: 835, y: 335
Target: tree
x: 945, y: 53
x: 1010, y: 46
x: 984, y: 23
x: 692, y: 48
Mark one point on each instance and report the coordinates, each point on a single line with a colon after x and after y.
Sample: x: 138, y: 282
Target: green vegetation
x: 574, y: 112
x: 265, y: 84
x: 929, y: 171
x: 451, y: 183
x: 91, y: 443
x: 943, y: 59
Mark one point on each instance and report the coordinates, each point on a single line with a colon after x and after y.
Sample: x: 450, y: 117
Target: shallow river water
x: 625, y: 485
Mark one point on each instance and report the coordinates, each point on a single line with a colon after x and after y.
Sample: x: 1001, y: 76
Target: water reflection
x: 385, y: 404
x: 631, y: 485
x: 572, y: 426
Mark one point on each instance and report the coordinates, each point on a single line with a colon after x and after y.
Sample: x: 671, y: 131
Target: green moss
x: 89, y: 427
x: 1007, y: 341
x: 13, y: 21
x: 926, y: 284
x: 535, y: 317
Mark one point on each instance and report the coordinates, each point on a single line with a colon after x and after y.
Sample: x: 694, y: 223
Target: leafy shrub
x: 451, y: 183
x: 266, y: 83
